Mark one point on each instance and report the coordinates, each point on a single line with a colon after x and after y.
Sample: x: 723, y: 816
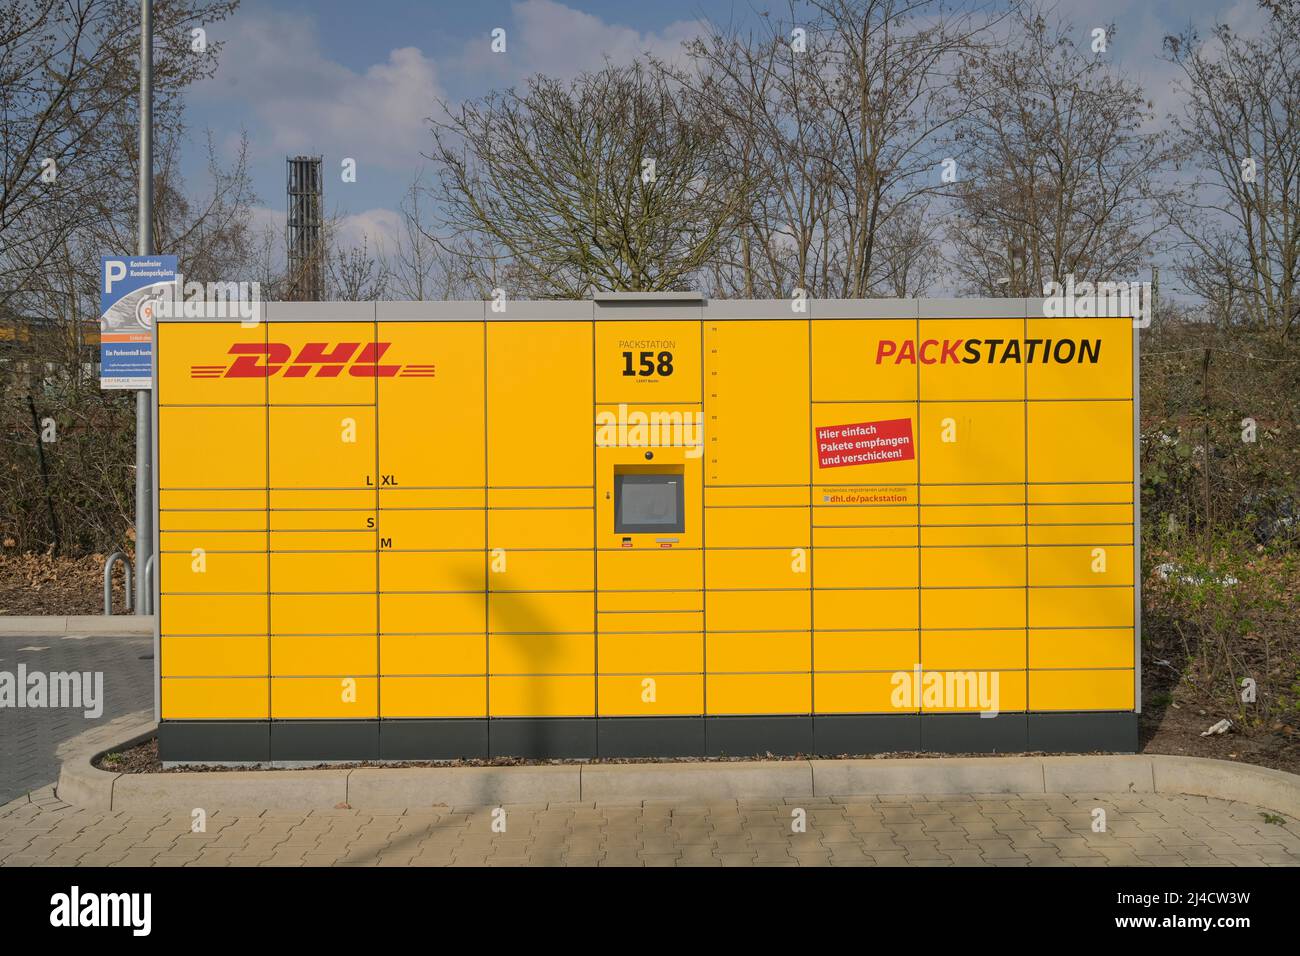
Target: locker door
x: 539, y: 406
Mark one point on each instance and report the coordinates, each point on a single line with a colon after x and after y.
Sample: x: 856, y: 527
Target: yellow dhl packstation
x: 645, y: 526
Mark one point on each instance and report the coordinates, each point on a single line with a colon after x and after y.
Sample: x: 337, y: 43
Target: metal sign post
x: 143, y: 442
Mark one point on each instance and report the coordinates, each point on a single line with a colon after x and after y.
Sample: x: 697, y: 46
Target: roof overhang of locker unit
x: 619, y: 307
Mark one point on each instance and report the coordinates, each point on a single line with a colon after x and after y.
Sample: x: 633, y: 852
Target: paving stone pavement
x: 978, y: 830
x: 29, y: 739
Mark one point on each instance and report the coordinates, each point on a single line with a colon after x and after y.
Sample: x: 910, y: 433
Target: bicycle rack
x: 113, y: 558
x: 148, y: 584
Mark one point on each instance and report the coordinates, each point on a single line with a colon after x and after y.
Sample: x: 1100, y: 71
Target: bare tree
x: 1056, y: 170
x: 69, y: 154
x: 1238, y: 215
x: 423, y: 265
x: 611, y: 182
x: 841, y: 115
x: 355, y: 273
x: 68, y: 88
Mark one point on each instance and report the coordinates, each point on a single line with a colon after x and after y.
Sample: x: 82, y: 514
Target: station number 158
x: 648, y: 363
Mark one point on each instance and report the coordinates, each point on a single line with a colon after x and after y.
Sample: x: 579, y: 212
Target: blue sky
x: 358, y: 79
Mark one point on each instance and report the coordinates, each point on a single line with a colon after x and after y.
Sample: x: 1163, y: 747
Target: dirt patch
x: 42, y: 584
x: 143, y: 758
x: 1176, y: 736
x: 1174, y: 714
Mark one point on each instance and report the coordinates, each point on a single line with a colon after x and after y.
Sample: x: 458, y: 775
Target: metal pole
x: 143, y: 440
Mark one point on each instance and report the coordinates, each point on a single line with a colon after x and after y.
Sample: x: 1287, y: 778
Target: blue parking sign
x: 128, y: 294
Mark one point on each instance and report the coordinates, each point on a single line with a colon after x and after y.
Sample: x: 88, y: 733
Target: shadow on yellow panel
x: 531, y: 613
x: 568, y: 696
x: 516, y: 570
x: 454, y: 613
x: 429, y: 654
x: 431, y: 571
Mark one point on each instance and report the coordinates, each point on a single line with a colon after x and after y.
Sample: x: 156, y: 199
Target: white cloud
x: 379, y: 228
x: 304, y: 102
x: 263, y: 218
x: 543, y: 36
x: 276, y: 77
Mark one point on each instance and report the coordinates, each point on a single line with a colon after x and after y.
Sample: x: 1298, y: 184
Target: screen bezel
x: 650, y: 478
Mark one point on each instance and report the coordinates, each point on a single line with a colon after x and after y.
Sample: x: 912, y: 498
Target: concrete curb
x: 85, y: 785
x: 92, y: 625
x: 397, y: 788
x: 376, y: 788
x: 1273, y: 789
x: 740, y: 780
x: 233, y: 789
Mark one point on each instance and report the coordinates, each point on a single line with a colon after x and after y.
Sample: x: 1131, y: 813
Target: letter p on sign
x: 114, y: 271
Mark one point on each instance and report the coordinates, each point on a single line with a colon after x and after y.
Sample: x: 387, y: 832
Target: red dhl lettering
x: 265, y: 359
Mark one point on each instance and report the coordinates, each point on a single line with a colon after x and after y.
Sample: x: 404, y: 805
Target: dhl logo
x: 264, y: 359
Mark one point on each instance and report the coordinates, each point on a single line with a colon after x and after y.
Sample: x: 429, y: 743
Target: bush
x: 1229, y: 612
x: 83, y: 500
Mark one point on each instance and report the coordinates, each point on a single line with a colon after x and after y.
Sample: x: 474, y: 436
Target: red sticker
x: 865, y: 443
